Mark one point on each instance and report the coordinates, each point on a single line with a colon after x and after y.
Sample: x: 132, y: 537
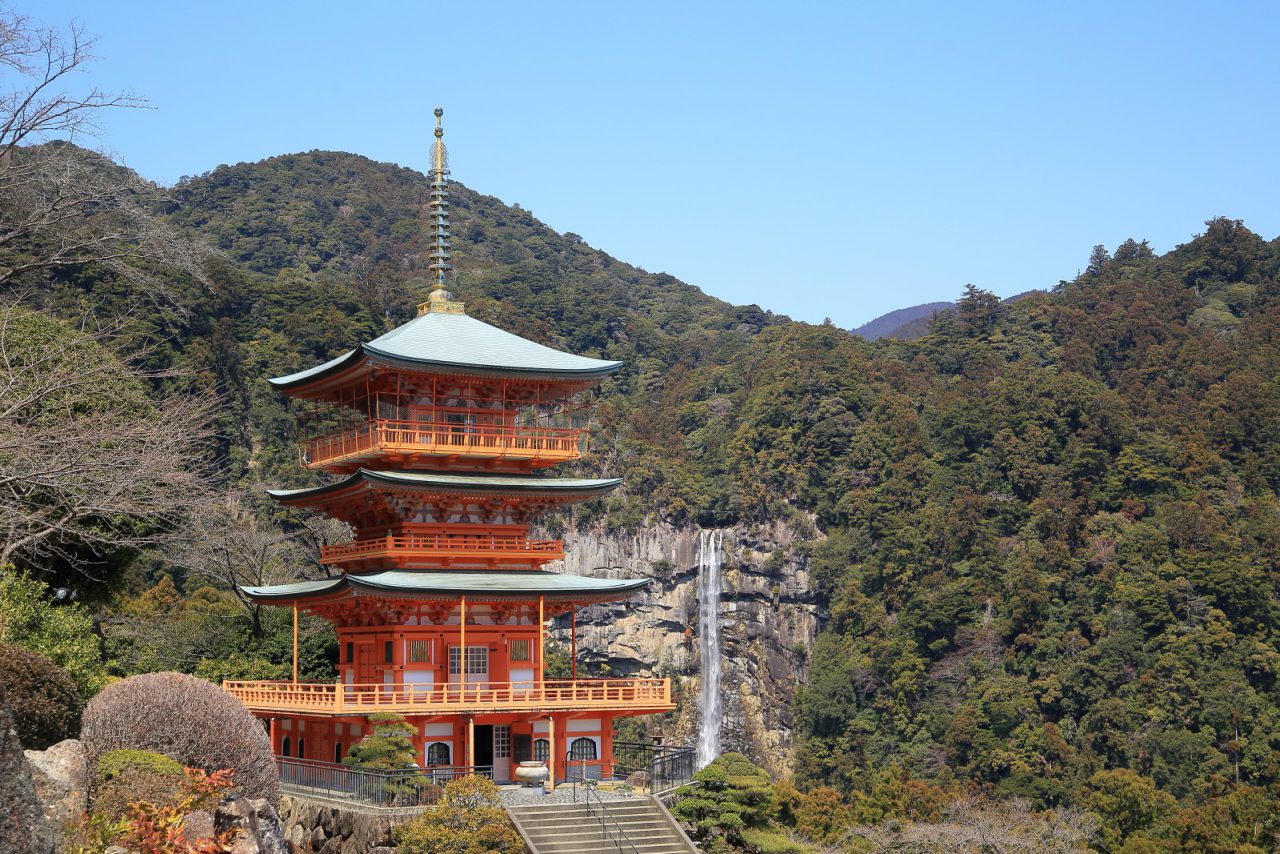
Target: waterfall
x: 710, y: 544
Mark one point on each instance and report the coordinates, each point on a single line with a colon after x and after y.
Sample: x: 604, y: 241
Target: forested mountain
x: 1045, y: 536
x: 887, y: 325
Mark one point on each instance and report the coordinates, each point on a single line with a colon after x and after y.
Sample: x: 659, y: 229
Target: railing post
x: 337, y: 696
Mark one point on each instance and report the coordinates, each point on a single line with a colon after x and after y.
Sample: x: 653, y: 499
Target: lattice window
x: 438, y: 753
x: 501, y: 742
x: 522, y: 650
x: 582, y: 748
x: 419, y: 651
x: 477, y: 661
x: 541, y: 750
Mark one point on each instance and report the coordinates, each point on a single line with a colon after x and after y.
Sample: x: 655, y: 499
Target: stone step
x: 646, y: 835
x: 609, y: 845
x: 558, y: 822
x: 575, y: 828
x: 647, y: 831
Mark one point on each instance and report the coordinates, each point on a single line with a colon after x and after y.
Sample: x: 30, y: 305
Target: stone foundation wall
x: 318, y: 827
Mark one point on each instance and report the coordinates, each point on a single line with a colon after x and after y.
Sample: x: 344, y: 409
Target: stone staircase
x: 634, y: 826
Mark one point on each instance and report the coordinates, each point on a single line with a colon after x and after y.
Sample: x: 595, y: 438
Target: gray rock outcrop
x: 769, y: 617
x: 61, y: 777
x: 260, y: 831
x: 23, y: 829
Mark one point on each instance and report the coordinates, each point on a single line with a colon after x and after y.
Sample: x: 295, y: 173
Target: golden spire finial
x: 440, y: 301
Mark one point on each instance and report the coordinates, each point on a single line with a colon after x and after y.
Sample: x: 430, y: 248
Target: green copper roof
x: 459, y: 342
x: 435, y: 583
x: 460, y: 483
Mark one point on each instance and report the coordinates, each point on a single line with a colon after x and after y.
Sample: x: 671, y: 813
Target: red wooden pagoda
x: 442, y: 599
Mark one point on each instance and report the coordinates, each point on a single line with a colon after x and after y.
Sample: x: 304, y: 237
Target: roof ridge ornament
x: 440, y: 300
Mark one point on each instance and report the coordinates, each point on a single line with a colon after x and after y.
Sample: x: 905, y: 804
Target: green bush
x: 732, y: 794
x: 388, y: 747
x: 113, y: 763
x: 468, y: 820
x: 44, y: 699
x: 775, y: 842
x: 63, y: 633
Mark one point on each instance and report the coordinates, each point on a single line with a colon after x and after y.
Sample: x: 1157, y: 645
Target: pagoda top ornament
x: 440, y: 301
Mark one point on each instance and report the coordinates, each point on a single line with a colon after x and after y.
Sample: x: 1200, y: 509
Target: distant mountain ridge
x: 908, y: 324
x: 886, y: 325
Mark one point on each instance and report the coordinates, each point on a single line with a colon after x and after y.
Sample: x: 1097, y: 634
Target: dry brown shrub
x: 42, y: 696
x: 188, y: 719
x: 114, y: 797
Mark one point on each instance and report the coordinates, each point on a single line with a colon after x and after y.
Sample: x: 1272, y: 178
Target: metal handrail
x: 379, y: 787
x: 601, y: 812
x: 667, y: 766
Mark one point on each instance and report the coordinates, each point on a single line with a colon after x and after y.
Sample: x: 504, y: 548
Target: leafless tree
x: 62, y: 205
x: 976, y: 826
x: 226, y: 543
x: 88, y: 462
x: 315, y: 531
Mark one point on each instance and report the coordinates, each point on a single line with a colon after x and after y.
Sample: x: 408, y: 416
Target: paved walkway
x: 521, y: 796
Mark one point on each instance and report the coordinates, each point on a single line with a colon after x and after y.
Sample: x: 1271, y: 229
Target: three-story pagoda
x: 441, y: 601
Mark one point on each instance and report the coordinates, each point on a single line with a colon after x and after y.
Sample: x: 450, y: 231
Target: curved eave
x: 333, y: 366
x: 481, y: 585
x: 290, y: 592
x: 604, y: 369
x: 591, y: 370
x: 454, y: 484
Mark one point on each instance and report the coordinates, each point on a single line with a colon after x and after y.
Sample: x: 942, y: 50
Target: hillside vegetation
x: 1047, y: 534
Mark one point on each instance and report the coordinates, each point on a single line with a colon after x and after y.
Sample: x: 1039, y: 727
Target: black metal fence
x: 405, y: 788
x: 665, y: 767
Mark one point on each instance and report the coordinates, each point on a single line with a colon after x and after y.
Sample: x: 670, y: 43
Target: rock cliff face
x: 768, y: 621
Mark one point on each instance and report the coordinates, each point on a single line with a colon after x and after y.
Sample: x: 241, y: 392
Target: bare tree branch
x: 226, y: 543
x: 62, y: 205
x: 87, y: 460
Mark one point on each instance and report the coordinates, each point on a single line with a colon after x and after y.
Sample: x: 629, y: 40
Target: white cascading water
x: 710, y: 544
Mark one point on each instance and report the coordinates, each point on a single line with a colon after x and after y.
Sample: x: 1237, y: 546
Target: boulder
x: 197, y: 825
x: 61, y: 777
x: 258, y: 823
x: 23, y: 828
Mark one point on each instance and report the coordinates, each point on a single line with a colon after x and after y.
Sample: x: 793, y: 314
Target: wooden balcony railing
x: 324, y: 698
x: 492, y: 549
x: 537, y: 446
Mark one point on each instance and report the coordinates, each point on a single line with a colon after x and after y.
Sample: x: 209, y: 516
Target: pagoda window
x: 477, y: 663
x: 351, y: 652
x: 438, y: 753
x: 284, y: 748
x: 541, y: 750
x: 419, y: 651
x: 521, y: 650
x: 388, y: 652
x: 582, y: 748
x: 302, y: 748
x: 337, y: 752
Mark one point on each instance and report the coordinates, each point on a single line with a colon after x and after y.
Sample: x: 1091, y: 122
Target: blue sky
x: 820, y: 159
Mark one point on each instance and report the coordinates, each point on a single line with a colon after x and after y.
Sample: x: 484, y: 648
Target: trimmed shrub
x: 388, y: 747
x: 468, y: 820
x: 113, y: 763
x: 133, y: 785
x: 44, y: 699
x: 187, y: 719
